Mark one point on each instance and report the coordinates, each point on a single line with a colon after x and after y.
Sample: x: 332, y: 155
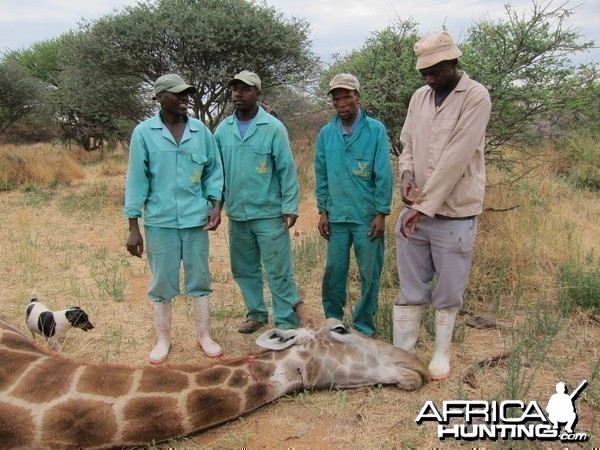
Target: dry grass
x: 37, y: 163
x: 68, y: 250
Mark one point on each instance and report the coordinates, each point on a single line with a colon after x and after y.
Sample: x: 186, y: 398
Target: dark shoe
x: 250, y: 326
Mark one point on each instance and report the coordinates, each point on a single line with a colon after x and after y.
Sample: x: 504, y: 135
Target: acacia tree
x: 21, y: 95
x: 43, y: 60
x: 205, y: 41
x: 524, y: 61
x: 88, y: 105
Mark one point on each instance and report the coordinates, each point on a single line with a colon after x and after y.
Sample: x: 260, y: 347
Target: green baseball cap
x: 172, y: 83
x: 245, y: 76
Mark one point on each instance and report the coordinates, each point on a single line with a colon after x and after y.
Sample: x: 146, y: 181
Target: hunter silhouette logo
x: 361, y: 172
x: 263, y: 167
x: 197, y: 177
x: 561, y: 407
x: 509, y: 419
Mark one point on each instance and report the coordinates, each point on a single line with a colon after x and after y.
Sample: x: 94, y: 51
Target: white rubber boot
x: 439, y: 367
x: 162, y: 324
x: 202, y: 317
x: 407, y: 321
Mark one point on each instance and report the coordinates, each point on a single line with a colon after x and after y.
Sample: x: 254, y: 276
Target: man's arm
x: 285, y: 170
x: 382, y: 169
x: 321, y: 181
x: 137, y: 180
x: 212, y: 181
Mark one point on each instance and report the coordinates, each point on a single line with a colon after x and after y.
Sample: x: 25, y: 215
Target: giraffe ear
x: 282, y: 339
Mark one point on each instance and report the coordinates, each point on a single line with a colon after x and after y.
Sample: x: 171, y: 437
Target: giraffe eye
x: 340, y: 329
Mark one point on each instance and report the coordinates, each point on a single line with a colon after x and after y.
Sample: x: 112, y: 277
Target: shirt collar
x: 354, y: 126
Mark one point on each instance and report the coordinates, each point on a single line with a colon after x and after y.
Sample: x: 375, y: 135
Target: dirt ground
x: 65, y: 253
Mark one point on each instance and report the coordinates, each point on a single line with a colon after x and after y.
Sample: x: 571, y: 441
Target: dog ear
x: 34, y: 299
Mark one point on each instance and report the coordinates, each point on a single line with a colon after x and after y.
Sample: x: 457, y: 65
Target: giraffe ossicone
x: 51, y: 401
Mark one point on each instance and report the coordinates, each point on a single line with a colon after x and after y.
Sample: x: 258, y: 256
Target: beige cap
x: 245, y: 76
x: 344, y: 81
x: 435, y: 48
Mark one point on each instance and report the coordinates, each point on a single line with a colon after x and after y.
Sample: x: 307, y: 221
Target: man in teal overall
x: 261, y: 201
x: 354, y: 194
x: 175, y: 176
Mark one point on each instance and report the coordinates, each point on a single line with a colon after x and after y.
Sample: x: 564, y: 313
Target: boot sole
x: 157, y: 362
x: 208, y: 355
x: 440, y: 378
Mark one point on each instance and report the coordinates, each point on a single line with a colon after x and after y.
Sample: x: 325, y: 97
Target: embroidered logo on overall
x: 361, y: 172
x: 263, y: 167
x: 197, y: 177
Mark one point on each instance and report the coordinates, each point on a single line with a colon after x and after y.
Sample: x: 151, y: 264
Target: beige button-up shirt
x: 444, y: 149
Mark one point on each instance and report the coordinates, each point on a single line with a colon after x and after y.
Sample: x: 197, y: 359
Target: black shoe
x: 250, y: 326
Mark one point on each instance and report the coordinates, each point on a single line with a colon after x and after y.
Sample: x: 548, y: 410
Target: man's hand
x: 409, y: 222
x: 324, y: 225
x: 408, y: 185
x: 135, y: 242
x: 214, y: 219
x: 377, y: 226
x: 289, y: 220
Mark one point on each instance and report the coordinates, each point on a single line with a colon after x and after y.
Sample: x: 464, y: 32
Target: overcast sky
x: 337, y: 26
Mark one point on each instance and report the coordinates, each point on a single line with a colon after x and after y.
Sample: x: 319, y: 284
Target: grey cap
x: 247, y: 77
x: 172, y: 83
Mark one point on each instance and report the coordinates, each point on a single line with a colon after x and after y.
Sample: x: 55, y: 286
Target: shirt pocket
x: 195, y: 171
x: 362, y: 167
x: 261, y: 160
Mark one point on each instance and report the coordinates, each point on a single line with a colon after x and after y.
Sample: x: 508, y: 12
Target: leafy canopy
x: 204, y: 41
x: 21, y: 94
x: 524, y: 61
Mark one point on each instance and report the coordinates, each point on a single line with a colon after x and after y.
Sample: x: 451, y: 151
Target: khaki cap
x: 344, y: 81
x: 434, y: 48
x: 172, y: 83
x: 247, y: 77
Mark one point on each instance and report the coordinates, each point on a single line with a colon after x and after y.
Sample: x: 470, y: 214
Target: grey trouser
x: 440, y: 248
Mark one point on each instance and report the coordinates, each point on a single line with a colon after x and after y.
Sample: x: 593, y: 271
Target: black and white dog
x: 51, y: 324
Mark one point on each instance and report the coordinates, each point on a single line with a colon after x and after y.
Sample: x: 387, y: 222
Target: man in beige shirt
x: 443, y: 183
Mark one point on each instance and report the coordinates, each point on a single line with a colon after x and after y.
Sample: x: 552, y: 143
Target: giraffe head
x: 337, y: 356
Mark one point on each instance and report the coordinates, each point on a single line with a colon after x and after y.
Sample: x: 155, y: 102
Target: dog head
x: 78, y: 318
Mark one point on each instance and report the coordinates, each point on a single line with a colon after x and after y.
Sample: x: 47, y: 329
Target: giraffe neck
x: 100, y: 406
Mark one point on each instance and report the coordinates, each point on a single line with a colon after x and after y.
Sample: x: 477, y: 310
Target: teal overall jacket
x: 260, y: 175
x: 353, y: 180
x: 172, y: 183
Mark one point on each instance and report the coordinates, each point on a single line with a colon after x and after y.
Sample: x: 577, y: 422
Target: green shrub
x: 580, y: 285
